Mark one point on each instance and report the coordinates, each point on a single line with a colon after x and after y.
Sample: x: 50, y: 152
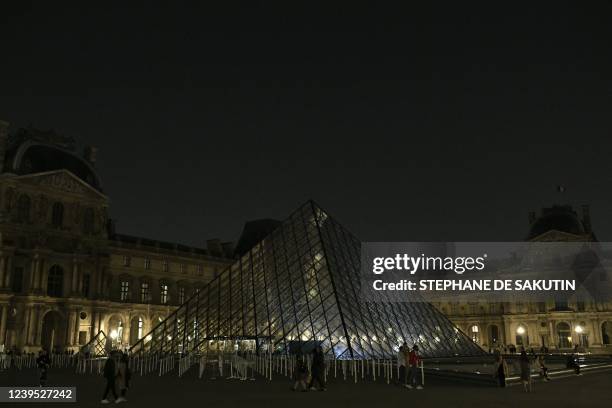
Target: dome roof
x: 33, y: 151
x: 559, y: 218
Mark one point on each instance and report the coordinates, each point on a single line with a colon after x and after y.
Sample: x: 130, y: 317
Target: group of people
x: 409, y: 363
x: 525, y: 362
x: 317, y: 375
x: 117, y: 374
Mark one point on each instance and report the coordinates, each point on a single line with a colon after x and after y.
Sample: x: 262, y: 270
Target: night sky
x: 420, y: 124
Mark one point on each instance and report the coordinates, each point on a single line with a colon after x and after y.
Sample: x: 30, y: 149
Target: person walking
x: 401, y: 364
x: 43, y: 362
x: 525, y: 364
x: 110, y: 374
x: 573, y: 361
x: 414, y: 377
x: 318, y: 370
x: 501, y: 370
x: 543, y: 368
x: 301, y: 374
x: 123, y: 377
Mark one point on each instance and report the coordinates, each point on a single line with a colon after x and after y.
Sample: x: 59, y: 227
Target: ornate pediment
x: 61, y: 180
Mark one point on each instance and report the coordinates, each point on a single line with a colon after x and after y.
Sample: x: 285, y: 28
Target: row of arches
x: 122, y: 330
x: 564, y: 336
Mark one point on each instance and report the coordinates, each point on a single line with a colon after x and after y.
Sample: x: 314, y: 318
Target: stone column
x: 595, y: 339
x: 28, y: 315
x: 99, y: 283
x: 508, y: 333
x: 36, y: 268
x: 126, y: 331
x: 42, y: 272
x: 70, y: 327
x: 2, y: 272
x: 33, y: 325
x: 553, y: 341
x: 75, y: 271
x: 80, y: 282
x: 33, y: 274
x: 3, y: 321
x: 92, y: 326
x: 8, y: 271
x: 38, y: 335
x: 77, y: 327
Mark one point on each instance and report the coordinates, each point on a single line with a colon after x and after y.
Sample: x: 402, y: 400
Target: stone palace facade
x: 65, y: 273
x: 558, y: 326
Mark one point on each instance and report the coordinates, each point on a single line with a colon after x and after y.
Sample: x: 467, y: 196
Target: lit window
x: 164, y: 294
x: 125, y: 290
x: 127, y: 260
x: 144, y: 292
x: 475, y: 333
x: 147, y: 263
x: 181, y: 295
x: 140, y: 327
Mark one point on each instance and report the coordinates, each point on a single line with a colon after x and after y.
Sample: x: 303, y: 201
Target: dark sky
x: 440, y: 123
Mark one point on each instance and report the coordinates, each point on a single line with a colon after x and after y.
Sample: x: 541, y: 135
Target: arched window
x: 163, y: 291
x: 23, y: 208
x: 583, y: 335
x: 522, y: 338
x: 140, y: 327
x: 136, y: 329
x: 144, y: 292
x: 88, y: 221
x: 475, y: 333
x: 55, y: 281
x: 57, y: 215
x: 125, y: 290
x: 181, y: 295
x: 493, y: 334
x: 564, y: 335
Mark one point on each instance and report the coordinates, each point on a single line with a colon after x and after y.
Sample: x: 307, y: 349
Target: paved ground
x: 593, y: 389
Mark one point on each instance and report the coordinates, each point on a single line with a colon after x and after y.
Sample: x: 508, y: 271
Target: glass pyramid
x: 300, y: 286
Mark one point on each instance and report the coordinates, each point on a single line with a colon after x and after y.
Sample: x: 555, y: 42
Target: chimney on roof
x: 532, y: 217
x: 90, y: 153
x: 228, y: 249
x: 3, y: 142
x: 213, y: 246
x: 586, y: 218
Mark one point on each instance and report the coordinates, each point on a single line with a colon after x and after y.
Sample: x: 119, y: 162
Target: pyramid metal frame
x: 96, y: 346
x: 300, y: 284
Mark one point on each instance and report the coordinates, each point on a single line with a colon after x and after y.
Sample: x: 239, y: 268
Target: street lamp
x: 114, y: 334
x: 520, y: 330
x: 578, y: 329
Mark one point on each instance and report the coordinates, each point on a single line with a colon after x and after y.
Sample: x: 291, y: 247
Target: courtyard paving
x: 588, y: 390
